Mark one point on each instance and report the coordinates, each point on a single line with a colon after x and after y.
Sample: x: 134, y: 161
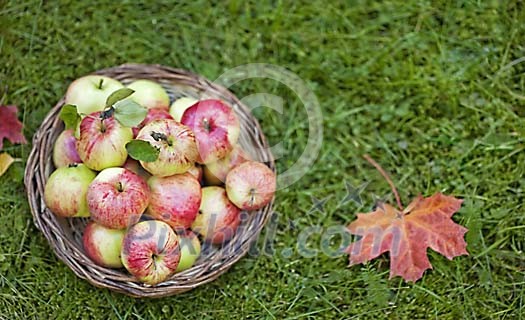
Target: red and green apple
x: 117, y: 198
x: 174, y: 199
x: 66, y: 189
x: 218, y: 218
x: 65, y: 149
x: 102, y: 141
x: 103, y: 245
x: 216, y: 128
x: 250, y: 185
x: 176, y: 145
x: 151, y: 251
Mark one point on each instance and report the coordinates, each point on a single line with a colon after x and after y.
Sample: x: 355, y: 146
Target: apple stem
x: 252, y: 195
x: 157, y: 136
x: 107, y: 113
x: 387, y: 178
x: 100, y: 83
x: 206, y: 124
x: 72, y: 165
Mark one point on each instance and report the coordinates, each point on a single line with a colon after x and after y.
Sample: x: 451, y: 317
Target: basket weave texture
x: 65, y: 235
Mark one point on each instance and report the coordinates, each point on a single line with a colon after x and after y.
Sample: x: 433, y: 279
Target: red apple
x: 152, y: 115
x: 190, y: 249
x: 149, y: 94
x: 102, y: 142
x: 215, y: 172
x: 216, y: 128
x: 117, y: 198
x: 150, y: 251
x: 218, y: 218
x: 251, y: 185
x: 65, y: 149
x: 174, y: 199
x: 103, y: 245
x: 66, y: 188
x: 177, y: 146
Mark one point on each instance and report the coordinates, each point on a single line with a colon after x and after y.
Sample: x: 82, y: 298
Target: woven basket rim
x: 63, y: 234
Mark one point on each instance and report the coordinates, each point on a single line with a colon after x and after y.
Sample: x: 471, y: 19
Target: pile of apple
x: 155, y: 179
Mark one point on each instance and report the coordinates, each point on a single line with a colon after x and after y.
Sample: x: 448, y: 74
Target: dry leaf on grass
x: 5, y: 162
x: 407, y: 233
x: 10, y: 126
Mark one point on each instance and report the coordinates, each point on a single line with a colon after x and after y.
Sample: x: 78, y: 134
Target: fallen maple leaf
x: 406, y: 234
x: 5, y: 162
x: 10, y: 126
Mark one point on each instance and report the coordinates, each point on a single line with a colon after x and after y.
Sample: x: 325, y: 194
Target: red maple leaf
x: 10, y: 126
x: 406, y: 234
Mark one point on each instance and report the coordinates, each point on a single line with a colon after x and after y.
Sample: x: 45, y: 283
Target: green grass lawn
x: 435, y: 92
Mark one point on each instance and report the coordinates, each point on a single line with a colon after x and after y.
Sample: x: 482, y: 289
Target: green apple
x: 66, y: 189
x: 103, y: 245
x: 89, y: 93
x: 190, y: 249
x: 180, y: 105
x: 149, y: 94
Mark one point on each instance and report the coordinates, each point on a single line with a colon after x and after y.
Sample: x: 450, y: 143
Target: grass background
x: 434, y: 91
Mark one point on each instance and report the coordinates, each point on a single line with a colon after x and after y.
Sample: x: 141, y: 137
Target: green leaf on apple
x: 129, y: 113
x: 118, y: 95
x: 142, y: 151
x: 70, y: 116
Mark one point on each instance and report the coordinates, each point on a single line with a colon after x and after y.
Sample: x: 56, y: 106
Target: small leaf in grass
x: 70, y: 116
x: 118, y: 95
x: 5, y: 162
x: 129, y: 113
x: 142, y: 151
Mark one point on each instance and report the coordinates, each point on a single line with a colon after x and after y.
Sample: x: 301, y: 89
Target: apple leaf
x: 70, y: 116
x: 142, y: 151
x: 406, y: 235
x: 10, y: 126
x: 118, y: 95
x: 5, y: 162
x: 129, y: 113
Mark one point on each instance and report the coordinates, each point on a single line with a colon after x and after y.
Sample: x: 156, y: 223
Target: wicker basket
x: 65, y: 235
